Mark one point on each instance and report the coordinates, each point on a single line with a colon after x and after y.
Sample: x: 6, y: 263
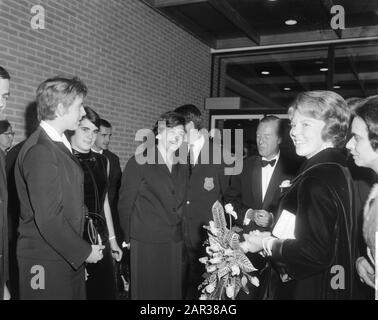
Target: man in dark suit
x: 207, y: 184
x: 51, y: 250
x: 255, y: 193
x: 101, y: 146
x: 4, y: 293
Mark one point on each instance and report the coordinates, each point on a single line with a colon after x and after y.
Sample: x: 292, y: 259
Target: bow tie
x: 264, y: 163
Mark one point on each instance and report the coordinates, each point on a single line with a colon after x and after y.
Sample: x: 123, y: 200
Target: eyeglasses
x: 10, y: 133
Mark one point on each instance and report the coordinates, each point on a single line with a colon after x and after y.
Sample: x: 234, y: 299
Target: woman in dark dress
x: 315, y: 260
x: 100, y: 281
x: 150, y: 208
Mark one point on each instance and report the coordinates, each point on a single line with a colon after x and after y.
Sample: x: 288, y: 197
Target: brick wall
x: 136, y: 63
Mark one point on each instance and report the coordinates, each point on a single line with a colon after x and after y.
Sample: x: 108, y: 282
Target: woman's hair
x: 92, y: 116
x: 168, y: 119
x: 327, y: 106
x: 4, y: 126
x: 367, y: 110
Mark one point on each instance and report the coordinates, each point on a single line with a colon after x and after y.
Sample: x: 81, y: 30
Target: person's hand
x: 96, y: 254
x: 116, y: 250
x: 249, y: 215
x: 365, y: 271
x: 7, y: 295
x: 263, y: 218
x: 253, y: 241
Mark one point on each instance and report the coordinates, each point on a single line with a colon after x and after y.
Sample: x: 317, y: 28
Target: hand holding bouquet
x: 228, y: 268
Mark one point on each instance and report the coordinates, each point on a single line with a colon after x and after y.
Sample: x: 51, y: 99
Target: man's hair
x: 105, y: 124
x: 327, y: 106
x: 367, y: 110
x: 191, y: 113
x: 280, y: 127
x: 4, y: 74
x: 58, y: 90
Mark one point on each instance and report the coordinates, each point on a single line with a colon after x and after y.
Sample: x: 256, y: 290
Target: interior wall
x: 136, y: 63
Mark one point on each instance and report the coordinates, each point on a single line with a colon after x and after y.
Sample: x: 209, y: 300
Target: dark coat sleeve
x: 45, y: 192
x: 114, y: 179
x: 313, y: 248
x: 131, y: 179
x: 233, y: 195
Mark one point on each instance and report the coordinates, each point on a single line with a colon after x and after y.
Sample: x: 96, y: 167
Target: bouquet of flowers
x: 228, y: 268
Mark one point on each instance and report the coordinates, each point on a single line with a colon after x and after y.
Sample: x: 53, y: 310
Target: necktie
x: 264, y: 163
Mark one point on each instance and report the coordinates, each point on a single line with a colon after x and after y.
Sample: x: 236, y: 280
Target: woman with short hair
x: 99, y: 229
x: 316, y: 259
x: 150, y: 207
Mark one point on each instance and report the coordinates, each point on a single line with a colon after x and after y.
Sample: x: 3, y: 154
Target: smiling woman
x: 150, y: 206
x: 99, y: 224
x: 320, y: 199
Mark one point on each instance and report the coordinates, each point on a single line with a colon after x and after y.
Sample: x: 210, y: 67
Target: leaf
x: 218, y: 216
x: 244, y: 281
x: 244, y: 263
x: 238, y: 286
x: 253, y: 280
x: 222, y: 272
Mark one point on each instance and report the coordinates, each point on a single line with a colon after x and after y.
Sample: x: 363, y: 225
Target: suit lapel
x: 256, y: 180
x: 60, y: 146
x: 63, y: 148
x: 274, y: 182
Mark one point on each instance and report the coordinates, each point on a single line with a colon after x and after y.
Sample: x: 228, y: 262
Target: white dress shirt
x: 54, y: 135
x: 197, y: 147
x: 100, y: 152
x: 266, y: 175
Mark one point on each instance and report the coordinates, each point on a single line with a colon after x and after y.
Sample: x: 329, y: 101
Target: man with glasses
x: 6, y: 135
x: 4, y: 293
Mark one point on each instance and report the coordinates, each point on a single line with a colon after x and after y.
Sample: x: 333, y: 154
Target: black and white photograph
x: 186, y: 152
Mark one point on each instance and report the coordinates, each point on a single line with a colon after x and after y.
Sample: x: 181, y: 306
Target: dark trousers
x: 193, y: 272
x: 50, y: 280
x: 156, y: 270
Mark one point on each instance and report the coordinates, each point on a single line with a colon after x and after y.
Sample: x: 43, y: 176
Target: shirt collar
x: 54, y: 135
x: 100, y: 152
x: 275, y: 158
x: 198, y: 144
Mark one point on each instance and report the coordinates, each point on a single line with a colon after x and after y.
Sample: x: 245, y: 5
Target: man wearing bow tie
x: 255, y: 192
